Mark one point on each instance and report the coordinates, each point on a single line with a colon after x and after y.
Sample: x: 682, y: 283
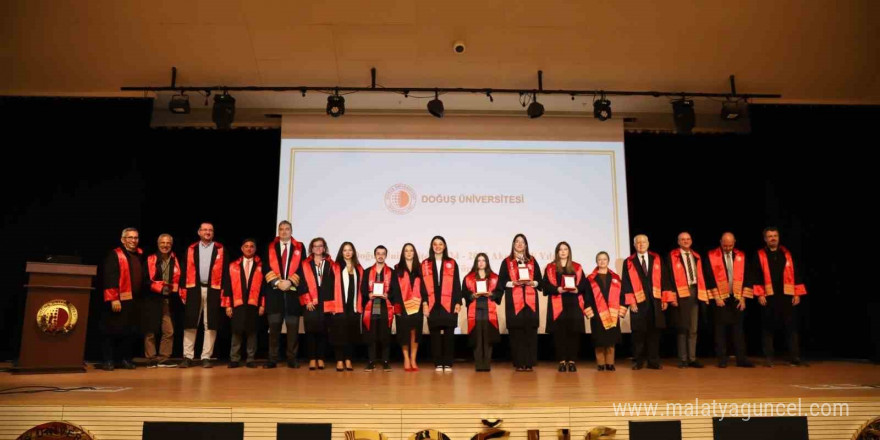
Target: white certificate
x: 524, y: 274
x: 378, y: 289
x: 568, y: 282
x: 482, y: 287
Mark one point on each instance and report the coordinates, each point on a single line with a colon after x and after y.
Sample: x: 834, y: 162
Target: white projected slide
x: 476, y: 194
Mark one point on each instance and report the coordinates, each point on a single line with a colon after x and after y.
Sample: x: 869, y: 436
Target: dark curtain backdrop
x: 80, y: 170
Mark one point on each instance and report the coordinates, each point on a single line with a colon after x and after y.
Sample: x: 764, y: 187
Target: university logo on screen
x: 400, y: 199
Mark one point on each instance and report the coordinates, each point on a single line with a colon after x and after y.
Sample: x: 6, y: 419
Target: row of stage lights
x: 223, y: 113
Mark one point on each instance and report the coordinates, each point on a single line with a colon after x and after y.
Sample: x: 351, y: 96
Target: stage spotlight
x: 536, y: 109
x: 435, y: 106
x: 179, y: 104
x: 731, y: 110
x: 335, y: 105
x: 683, y: 114
x: 602, y: 109
x: 224, y: 111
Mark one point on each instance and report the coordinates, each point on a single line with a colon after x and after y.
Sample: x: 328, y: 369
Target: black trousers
x: 789, y: 325
x: 482, y: 346
x: 317, y: 344
x: 567, y: 343
x: 344, y: 352
x: 442, y: 345
x: 376, y: 321
x: 646, y: 345
x: 739, y: 338
x: 524, y: 346
x: 292, y: 321
x: 117, y: 344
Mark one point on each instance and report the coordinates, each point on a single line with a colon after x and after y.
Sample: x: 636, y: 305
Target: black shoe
x: 610, y: 368
x: 530, y: 369
x: 653, y: 366
x: 232, y: 365
x: 185, y: 363
x: 206, y: 363
x: 638, y: 365
x: 269, y: 365
x: 722, y: 363
x: 320, y: 367
x: 128, y: 365
x: 519, y: 369
x: 251, y: 364
x: 561, y: 368
x: 106, y: 366
x: 682, y: 364
x: 370, y: 366
x: 167, y: 363
x: 571, y: 367
x: 745, y: 364
x: 768, y: 363
x: 293, y: 364
x: 695, y: 364
x: 600, y: 367
x: 798, y: 362
x: 387, y: 367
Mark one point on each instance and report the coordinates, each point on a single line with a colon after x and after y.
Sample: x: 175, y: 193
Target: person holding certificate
x: 322, y: 292
x: 409, y: 297
x: 378, y: 312
x: 345, y: 329
x: 607, y: 302
x: 565, y: 285
x: 443, y: 290
x: 517, y: 276
x: 478, y: 290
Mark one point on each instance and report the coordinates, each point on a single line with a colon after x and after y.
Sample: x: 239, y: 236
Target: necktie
x: 729, y: 266
x: 284, y: 262
x: 690, y: 270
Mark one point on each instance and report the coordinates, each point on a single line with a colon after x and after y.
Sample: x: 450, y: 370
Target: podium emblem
x: 57, y: 317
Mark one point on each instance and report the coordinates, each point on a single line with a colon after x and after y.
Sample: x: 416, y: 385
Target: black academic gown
x: 407, y: 323
x: 345, y: 327
x: 779, y: 310
x: 193, y: 305
x: 245, y: 316
x: 681, y: 315
x: 153, y: 303
x: 601, y: 336
x: 275, y: 297
x: 572, y: 318
x: 315, y: 320
x: 381, y: 332
x: 127, y: 320
x: 527, y: 318
x: 438, y: 316
x: 650, y: 312
x: 482, y: 314
x: 728, y: 314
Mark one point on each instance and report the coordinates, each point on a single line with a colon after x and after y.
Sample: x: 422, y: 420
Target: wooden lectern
x: 56, y: 317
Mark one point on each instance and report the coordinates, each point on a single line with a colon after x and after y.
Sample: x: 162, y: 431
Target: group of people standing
x: 341, y: 303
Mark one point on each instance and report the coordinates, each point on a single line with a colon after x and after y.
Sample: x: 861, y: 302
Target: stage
x: 399, y: 403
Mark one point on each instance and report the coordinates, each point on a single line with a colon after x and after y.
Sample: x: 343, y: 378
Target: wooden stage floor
x: 283, y: 387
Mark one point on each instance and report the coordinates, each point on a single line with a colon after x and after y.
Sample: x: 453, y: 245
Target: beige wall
x: 810, y: 51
